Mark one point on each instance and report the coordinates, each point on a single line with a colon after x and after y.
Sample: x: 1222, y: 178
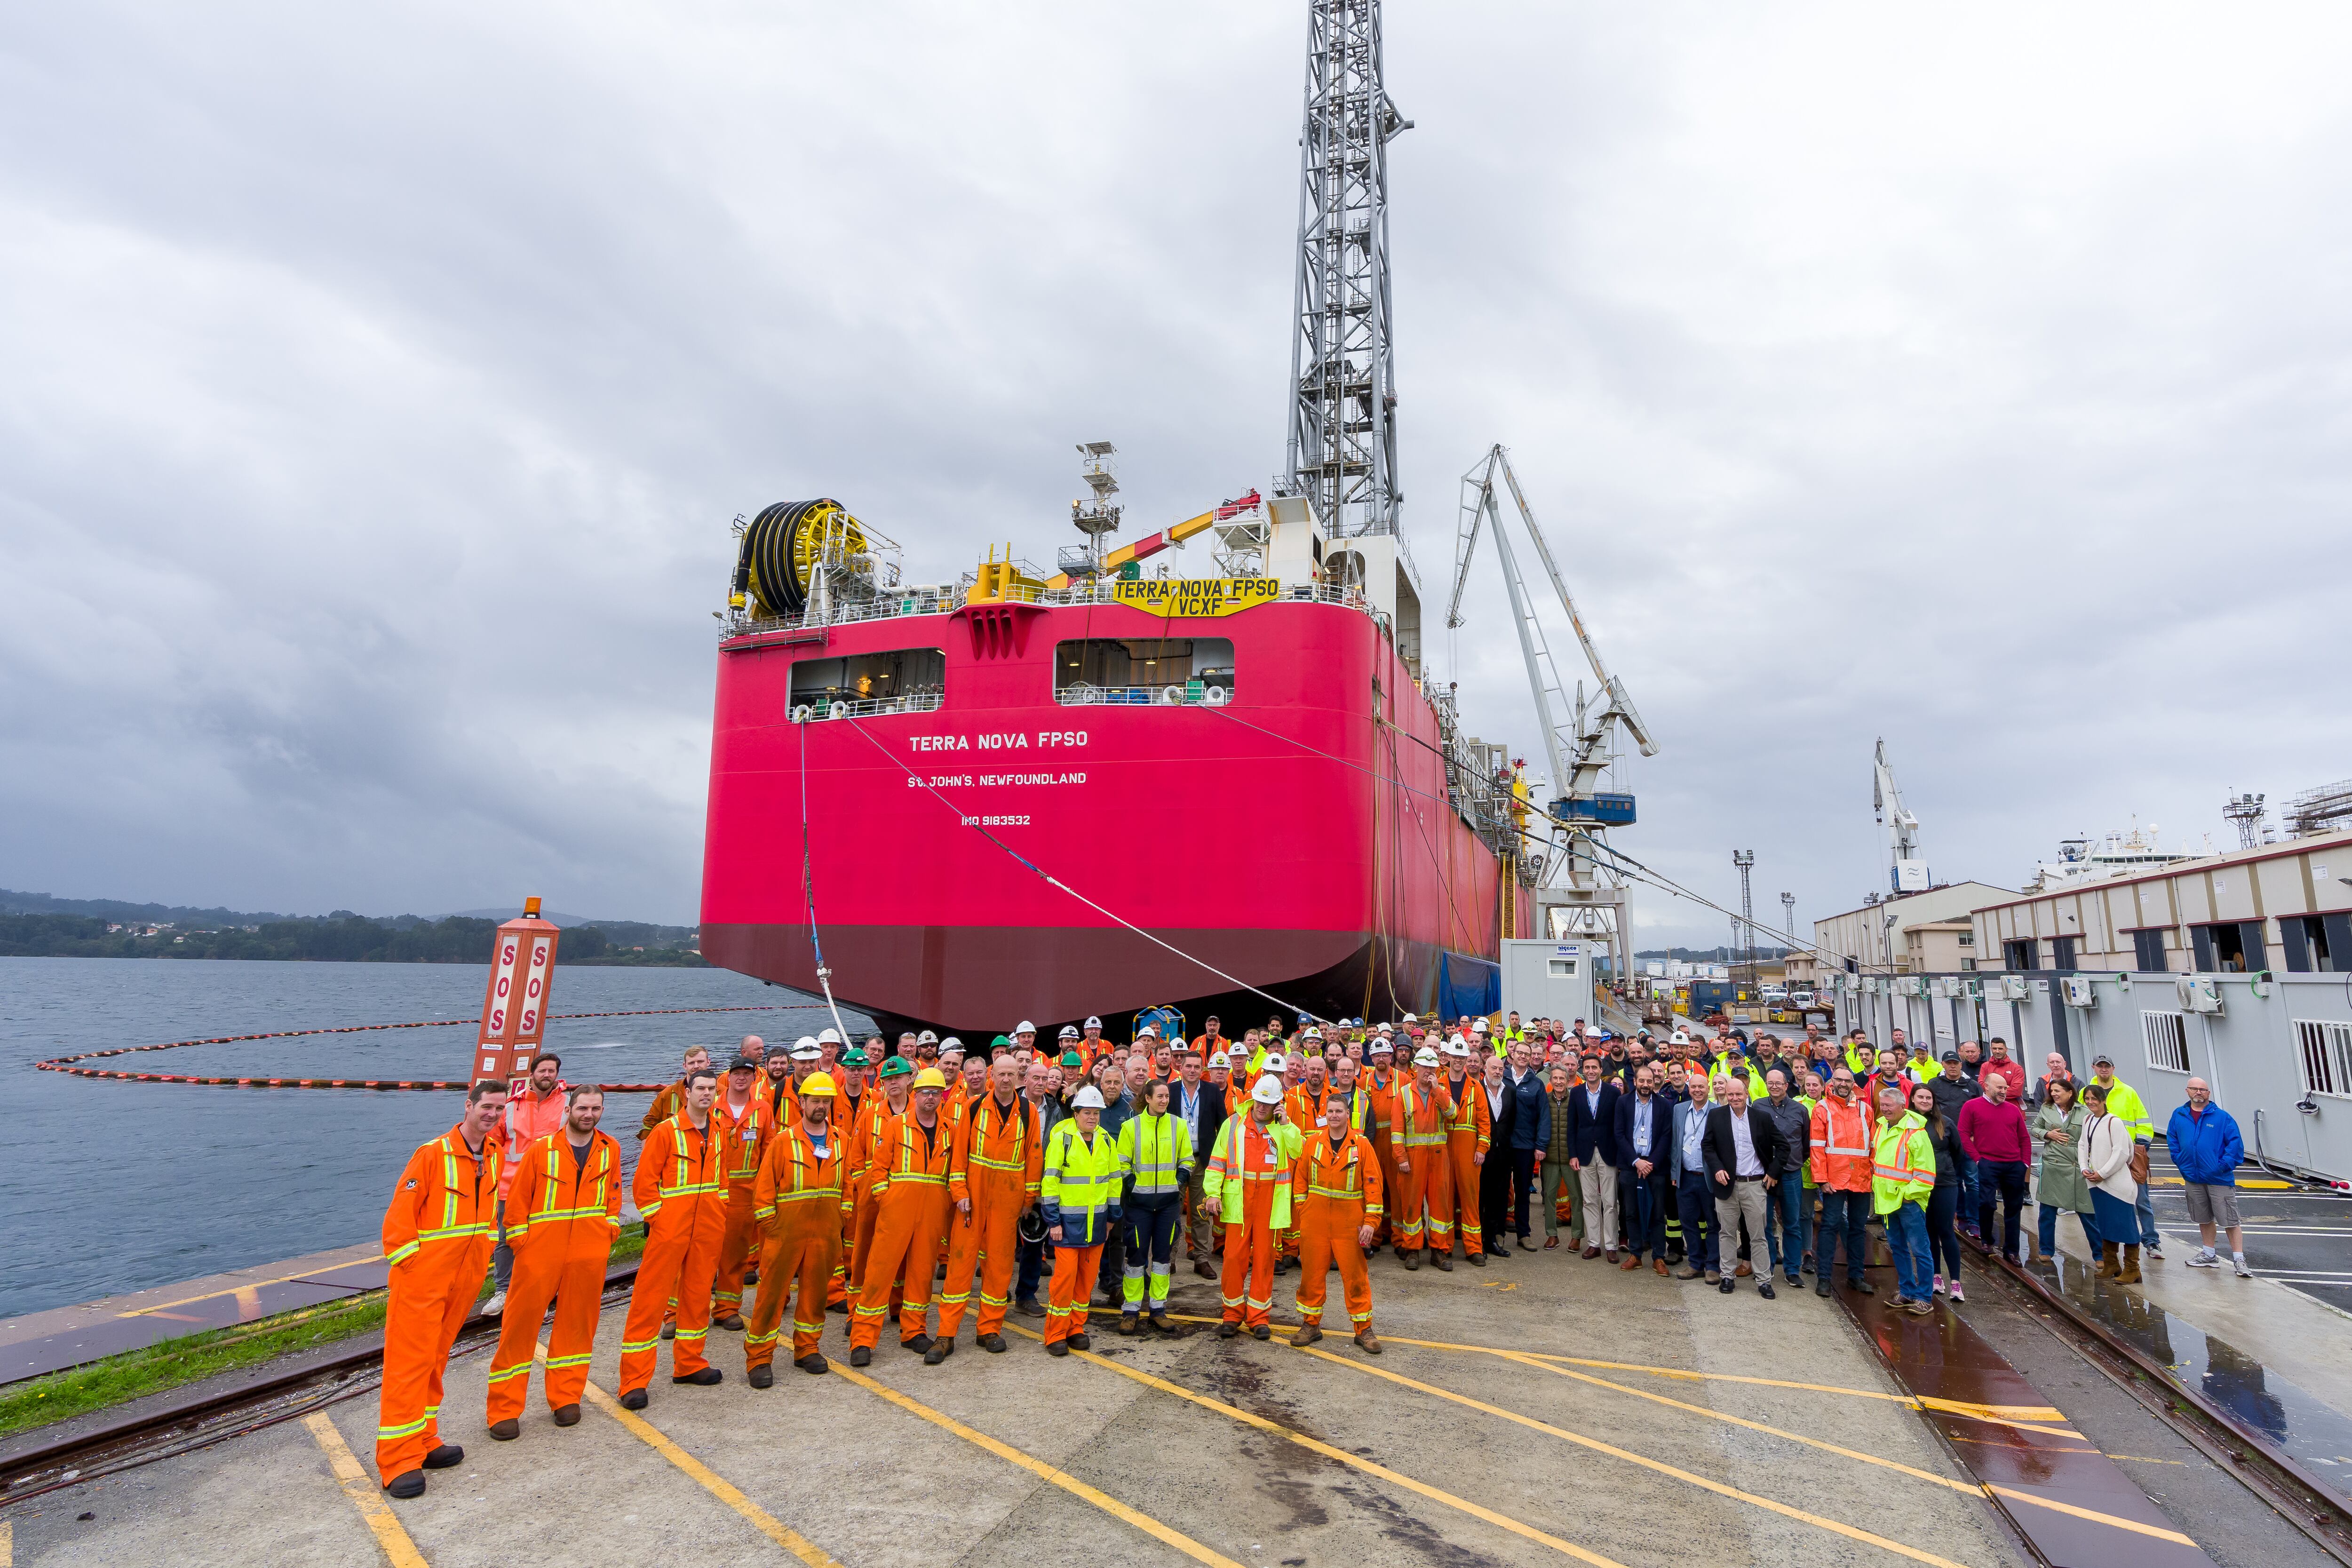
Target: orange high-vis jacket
x: 746, y: 1139
x: 1381, y: 1089
x: 1843, y: 1156
x: 1469, y: 1113
x: 991, y: 1140
x: 1420, y: 1117
x: 552, y: 1189
x: 680, y: 1167
x: 1350, y: 1173
x: 446, y: 1197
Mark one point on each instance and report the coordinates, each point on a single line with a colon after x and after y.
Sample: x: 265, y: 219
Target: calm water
x: 119, y: 1186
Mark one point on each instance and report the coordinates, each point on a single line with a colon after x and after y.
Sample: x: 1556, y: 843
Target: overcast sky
x: 376, y: 388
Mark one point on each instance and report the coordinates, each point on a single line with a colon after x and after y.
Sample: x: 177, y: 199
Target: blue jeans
x: 1843, y: 1214
x: 1971, y: 1191
x: 1697, y: 1206
x: 1791, y: 1218
x: 1907, y: 1238
x: 2145, y: 1209
x: 2049, y: 1223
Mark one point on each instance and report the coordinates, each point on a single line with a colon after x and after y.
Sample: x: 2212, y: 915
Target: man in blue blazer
x: 1592, y: 1114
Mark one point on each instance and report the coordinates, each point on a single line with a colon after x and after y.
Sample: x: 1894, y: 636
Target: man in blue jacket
x: 2203, y: 1141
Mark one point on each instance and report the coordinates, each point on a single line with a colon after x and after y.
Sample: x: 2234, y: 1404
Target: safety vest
x: 1858, y: 1061
x: 1347, y: 1174
x: 1469, y: 1114
x: 747, y: 1138
x: 1806, y: 1170
x: 2125, y: 1105
x: 1419, y: 1120
x: 684, y: 1163
x: 910, y: 1164
x: 1842, y: 1156
x: 1903, y: 1167
x: 454, y: 1189
x: 1154, y: 1151
x: 797, y: 1181
x: 1247, y: 1157
x: 1755, y: 1079
x: 567, y: 1189
x: 1082, y: 1182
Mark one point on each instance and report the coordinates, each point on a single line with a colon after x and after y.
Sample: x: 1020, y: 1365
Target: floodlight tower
x: 1343, y: 440
x: 1746, y: 860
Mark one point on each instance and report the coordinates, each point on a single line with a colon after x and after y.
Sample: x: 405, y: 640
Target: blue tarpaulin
x: 1468, y: 985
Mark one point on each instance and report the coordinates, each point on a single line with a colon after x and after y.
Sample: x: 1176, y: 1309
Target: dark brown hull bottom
x: 980, y: 980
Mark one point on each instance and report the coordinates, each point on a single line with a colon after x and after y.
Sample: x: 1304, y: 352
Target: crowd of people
x: 1054, y: 1177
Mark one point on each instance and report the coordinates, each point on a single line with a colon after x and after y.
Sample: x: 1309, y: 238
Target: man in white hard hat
x: 1469, y: 1133
x: 1250, y: 1178
x: 1024, y: 1035
x: 828, y: 1050
x: 1380, y: 1084
x: 1423, y: 1215
x: 1080, y: 1199
x: 1090, y: 1041
x: 808, y: 1057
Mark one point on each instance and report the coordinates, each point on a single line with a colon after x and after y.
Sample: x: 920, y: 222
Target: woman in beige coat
x: 2106, y: 1164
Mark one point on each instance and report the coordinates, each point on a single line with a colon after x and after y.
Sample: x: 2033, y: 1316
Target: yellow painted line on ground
x: 761, y: 1520
x: 1752, y: 1425
x: 2158, y: 1532
x: 2008, y: 1414
x: 2144, y: 1460
x: 365, y: 1495
x: 8, y: 1545
x: 1851, y: 1532
x: 1044, y: 1471
x: 1354, y: 1461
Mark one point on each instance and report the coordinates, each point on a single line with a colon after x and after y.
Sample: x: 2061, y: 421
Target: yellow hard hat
x: 930, y: 1077
x: 817, y: 1083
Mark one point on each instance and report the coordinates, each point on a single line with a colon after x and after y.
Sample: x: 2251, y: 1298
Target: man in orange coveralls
x: 797, y: 1206
x: 999, y: 1166
x: 437, y: 1236
x: 1467, y: 1136
x: 1423, y: 1209
x: 910, y: 1176
x: 750, y: 1118
x: 1338, y: 1189
x: 681, y: 1189
x: 562, y: 1213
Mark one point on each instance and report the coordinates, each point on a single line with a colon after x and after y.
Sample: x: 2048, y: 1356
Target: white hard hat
x: 806, y: 1051
x: 1276, y: 1062
x: 1069, y: 1032
x: 1388, y: 1028
x: 950, y: 1044
x: 1024, y: 1028
x: 1411, y: 1018
x: 1217, y: 1060
x: 1478, y: 1027
x: 1147, y: 1033
x: 1267, y: 1092
x: 1679, y: 1037
x: 805, y: 1043
x: 927, y: 1038
x: 830, y: 1037
x: 1457, y: 1047
x: 1424, y: 1058
x: 1089, y: 1098
x: 1383, y: 1048
x: 1094, y: 1023
x: 1312, y: 1033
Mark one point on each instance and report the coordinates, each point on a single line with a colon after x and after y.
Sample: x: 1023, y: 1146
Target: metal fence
x: 867, y: 707
x: 1180, y: 695
x: 736, y: 624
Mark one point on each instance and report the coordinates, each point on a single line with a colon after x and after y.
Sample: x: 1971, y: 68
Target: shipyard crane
x: 1581, y: 750
x: 1898, y: 829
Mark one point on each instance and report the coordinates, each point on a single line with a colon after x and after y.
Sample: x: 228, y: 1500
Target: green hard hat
x: 897, y: 1066
x: 854, y: 1057
x: 1072, y: 1059
x: 998, y: 1042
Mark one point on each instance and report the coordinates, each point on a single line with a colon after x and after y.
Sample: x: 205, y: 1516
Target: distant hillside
x: 35, y: 925
x: 1716, y: 954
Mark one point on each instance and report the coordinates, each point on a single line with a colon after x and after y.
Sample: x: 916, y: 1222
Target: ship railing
x: 866, y: 707
x: 1183, y: 694
x: 737, y: 624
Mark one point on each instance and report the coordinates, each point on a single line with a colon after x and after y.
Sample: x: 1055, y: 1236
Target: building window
x: 2317, y: 944
x: 2228, y: 947
x: 1139, y: 670
x: 897, y: 680
x: 2326, y: 1053
x: 2148, y: 950
x: 2167, y: 1035
x: 2061, y: 952
x: 2020, y: 955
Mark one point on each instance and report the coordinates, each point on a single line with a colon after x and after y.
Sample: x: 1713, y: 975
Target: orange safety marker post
x: 514, y: 1007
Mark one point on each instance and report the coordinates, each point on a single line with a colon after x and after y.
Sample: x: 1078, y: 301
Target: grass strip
x: 60, y: 1395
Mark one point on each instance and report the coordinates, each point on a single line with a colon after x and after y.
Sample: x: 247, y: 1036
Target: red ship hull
x: 1297, y: 838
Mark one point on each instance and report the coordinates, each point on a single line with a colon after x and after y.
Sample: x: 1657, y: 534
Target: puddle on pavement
x: 2309, y: 1430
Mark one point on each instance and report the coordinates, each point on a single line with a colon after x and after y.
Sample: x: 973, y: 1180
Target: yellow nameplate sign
x: 1197, y: 597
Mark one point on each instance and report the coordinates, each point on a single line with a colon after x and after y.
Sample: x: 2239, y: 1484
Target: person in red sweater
x: 1993, y: 1134
x: 1998, y: 1065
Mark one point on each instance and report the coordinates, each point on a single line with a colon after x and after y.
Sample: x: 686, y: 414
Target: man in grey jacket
x: 1789, y: 1216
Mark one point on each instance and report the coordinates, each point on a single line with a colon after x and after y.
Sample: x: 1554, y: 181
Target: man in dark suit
x: 1201, y: 1106
x: 1592, y: 1154
x: 1642, y: 1133
x: 1530, y: 1124
x: 1742, y: 1149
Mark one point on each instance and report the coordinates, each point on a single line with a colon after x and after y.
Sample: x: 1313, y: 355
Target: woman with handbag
x: 2061, y: 1186
x: 2106, y: 1159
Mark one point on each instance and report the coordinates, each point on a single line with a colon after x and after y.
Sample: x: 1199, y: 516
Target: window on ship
x: 1143, y: 669
x: 899, y: 680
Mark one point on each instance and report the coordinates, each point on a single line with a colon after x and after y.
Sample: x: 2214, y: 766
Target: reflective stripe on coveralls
x: 999, y: 1167
x: 1082, y: 1186
x: 1467, y: 1136
x: 1155, y: 1155
x: 1250, y: 1173
x: 796, y: 1206
x: 910, y: 1180
x: 1423, y: 1207
x: 1339, y: 1192
x: 681, y: 1189
x: 1904, y: 1169
x: 747, y: 1141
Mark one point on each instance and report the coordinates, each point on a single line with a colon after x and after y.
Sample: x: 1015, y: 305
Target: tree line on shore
x: 340, y: 938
